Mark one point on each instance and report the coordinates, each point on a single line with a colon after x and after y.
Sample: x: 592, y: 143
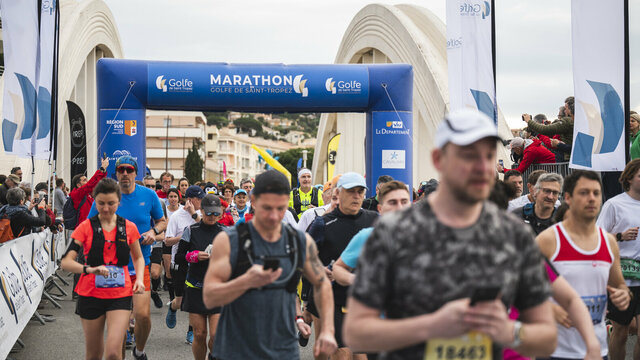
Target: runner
x: 332, y: 232
x: 254, y: 273
x: 139, y: 205
x: 155, y: 268
x: 183, y: 184
x: 193, y: 251
x: 311, y: 214
x: 105, y: 288
x: 421, y: 265
x: 619, y: 216
x: 588, y: 258
x: 539, y: 213
x: 173, y: 198
x: 181, y: 219
x: 372, y: 202
x: 306, y: 196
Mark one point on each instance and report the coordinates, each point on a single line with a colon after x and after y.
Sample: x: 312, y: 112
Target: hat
x: 194, y: 191
x: 14, y: 178
x: 127, y: 160
x: 272, y: 182
x: 211, y: 205
x: 350, y: 180
x: 210, y: 188
x: 304, y: 171
x: 240, y: 191
x: 516, y: 142
x: 464, y: 127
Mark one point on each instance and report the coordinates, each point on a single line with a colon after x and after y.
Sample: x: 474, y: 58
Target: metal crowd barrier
x: 558, y: 168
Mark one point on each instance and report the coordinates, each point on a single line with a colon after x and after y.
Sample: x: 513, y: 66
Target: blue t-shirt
x: 352, y: 251
x: 139, y: 207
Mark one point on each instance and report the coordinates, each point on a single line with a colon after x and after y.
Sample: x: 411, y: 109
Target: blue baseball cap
x: 194, y: 191
x: 350, y: 180
x: 127, y: 160
x: 240, y: 191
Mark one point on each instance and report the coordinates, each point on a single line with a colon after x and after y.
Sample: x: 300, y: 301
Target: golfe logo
x: 161, y: 83
x: 330, y: 85
x: 471, y: 9
x: 299, y: 86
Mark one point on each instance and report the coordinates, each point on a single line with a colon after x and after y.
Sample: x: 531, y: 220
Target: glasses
x: 550, y: 192
x: 127, y: 169
x: 151, y: 186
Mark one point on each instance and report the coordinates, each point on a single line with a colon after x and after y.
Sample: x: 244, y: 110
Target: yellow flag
x: 272, y: 162
x: 332, y: 151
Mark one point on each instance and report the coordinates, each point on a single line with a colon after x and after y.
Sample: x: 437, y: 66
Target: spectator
x: 532, y: 152
x: 20, y: 215
x: 372, y: 202
x: 514, y: 178
x: 183, y: 185
x: 18, y: 172
x: 560, y: 114
x: 563, y: 127
x: 11, y: 182
x: 501, y: 193
x: 60, y: 197
x: 426, y: 188
x: 523, y: 200
x: 541, y: 119
x: 82, y: 189
x: 166, y: 180
x: 634, y: 139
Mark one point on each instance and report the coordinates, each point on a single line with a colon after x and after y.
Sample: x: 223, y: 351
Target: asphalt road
x: 64, y: 339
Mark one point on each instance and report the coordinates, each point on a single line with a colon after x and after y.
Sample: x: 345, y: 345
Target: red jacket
x: 535, y: 153
x: 78, y: 194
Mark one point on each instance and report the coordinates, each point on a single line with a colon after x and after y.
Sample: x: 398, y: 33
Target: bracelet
x: 299, y: 319
x: 84, y: 269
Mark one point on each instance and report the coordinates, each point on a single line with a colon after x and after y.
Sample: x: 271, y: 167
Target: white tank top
x: 588, y: 273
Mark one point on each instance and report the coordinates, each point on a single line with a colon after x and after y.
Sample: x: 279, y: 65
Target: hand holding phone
x: 482, y: 294
x: 271, y: 263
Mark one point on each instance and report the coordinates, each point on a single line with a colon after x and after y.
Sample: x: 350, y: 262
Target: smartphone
x: 484, y: 294
x: 271, y: 263
x: 501, y: 162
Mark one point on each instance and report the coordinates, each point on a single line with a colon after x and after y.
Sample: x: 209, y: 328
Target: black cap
x: 271, y: 182
x: 211, y: 205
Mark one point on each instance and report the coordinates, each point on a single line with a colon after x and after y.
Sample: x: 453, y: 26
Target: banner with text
x: 597, y: 34
x: 78, y: 139
x: 470, y: 56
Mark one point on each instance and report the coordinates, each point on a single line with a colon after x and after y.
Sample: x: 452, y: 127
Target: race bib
x: 630, y: 268
x: 115, y: 279
x: 597, y: 305
x: 472, y: 346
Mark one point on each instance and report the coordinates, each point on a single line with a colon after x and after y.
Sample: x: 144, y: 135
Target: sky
x: 533, y: 40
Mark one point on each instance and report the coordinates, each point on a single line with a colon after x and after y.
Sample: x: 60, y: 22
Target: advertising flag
x: 28, y: 57
x: 78, y: 139
x: 598, y: 45
x: 332, y: 152
x: 470, y: 56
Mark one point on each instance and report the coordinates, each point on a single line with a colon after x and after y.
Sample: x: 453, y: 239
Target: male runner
x: 421, y: 265
x: 514, y: 178
x: 619, y: 216
x: 306, y: 196
x: 588, y: 258
x: 253, y: 274
x: 139, y: 205
x: 539, y: 214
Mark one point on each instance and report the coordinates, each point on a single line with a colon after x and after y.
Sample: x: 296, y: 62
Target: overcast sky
x: 533, y: 39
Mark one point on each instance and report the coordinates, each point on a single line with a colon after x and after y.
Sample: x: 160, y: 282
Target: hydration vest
x: 96, y: 253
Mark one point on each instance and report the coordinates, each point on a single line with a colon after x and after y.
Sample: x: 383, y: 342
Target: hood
x: 528, y: 142
x: 11, y: 210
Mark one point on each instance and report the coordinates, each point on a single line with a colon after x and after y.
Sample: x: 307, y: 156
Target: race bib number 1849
x: 472, y: 346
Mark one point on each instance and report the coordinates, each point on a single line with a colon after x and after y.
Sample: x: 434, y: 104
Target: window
x: 210, y: 154
x: 210, y: 136
x: 166, y: 121
x: 245, y: 163
x: 166, y: 143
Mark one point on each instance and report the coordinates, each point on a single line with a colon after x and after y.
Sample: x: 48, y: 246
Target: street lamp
x: 304, y: 158
x: 166, y: 144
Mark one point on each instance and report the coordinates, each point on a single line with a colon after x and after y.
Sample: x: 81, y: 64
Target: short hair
x: 149, y: 177
x: 511, y: 173
x: 59, y: 182
x: 501, y: 193
x: 540, y: 118
x: 3, y: 178
x: 15, y: 169
x: 228, y: 186
x: 272, y: 182
x: 41, y: 186
x: 139, y: 182
x: 533, y: 177
x: 166, y: 173
x: 76, y: 180
x: 173, y: 190
x: 245, y: 180
x: 384, y: 179
x: 572, y: 179
x: 548, y: 177
x: 570, y: 103
x: 560, y: 212
x: 107, y: 186
x: 629, y: 172
x: 15, y: 195
x: 390, y: 186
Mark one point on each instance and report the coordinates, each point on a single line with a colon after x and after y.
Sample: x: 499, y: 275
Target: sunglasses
x: 127, y: 169
x: 150, y: 186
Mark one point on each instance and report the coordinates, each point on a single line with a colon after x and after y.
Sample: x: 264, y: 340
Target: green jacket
x: 634, y: 145
x: 563, y: 127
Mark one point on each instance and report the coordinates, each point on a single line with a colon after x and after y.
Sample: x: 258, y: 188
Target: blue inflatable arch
x: 126, y: 88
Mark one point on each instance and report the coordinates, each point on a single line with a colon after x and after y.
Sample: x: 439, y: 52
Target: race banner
x: 28, y: 76
x: 598, y: 45
x: 78, y: 139
x: 332, y: 152
x: 471, y: 56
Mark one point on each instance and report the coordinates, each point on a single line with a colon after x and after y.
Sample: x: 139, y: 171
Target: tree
x: 193, y: 165
x: 246, y: 123
x: 289, y: 159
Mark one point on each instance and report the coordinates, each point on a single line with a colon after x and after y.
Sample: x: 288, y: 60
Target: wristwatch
x: 619, y: 236
x: 194, y: 216
x: 84, y: 269
x: 517, y: 335
x: 156, y: 231
x: 102, y: 169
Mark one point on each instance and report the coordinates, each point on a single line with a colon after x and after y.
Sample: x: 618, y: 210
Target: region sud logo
x: 394, y: 124
x: 130, y: 127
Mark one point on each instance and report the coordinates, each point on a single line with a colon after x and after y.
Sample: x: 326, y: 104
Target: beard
x: 465, y: 195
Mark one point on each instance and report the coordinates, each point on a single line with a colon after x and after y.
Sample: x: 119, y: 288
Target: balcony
x: 161, y: 153
x: 175, y: 132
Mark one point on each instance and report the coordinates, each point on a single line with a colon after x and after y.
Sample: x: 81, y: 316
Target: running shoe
x: 189, y: 339
x: 130, y: 340
x: 156, y: 299
x: 141, y: 357
x: 170, y: 320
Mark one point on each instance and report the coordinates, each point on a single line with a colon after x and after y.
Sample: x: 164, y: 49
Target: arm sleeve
x: 553, y: 129
x: 181, y: 254
x: 171, y: 228
x: 526, y: 161
x: 132, y: 232
x: 41, y: 220
x: 88, y: 187
x: 317, y: 230
x: 545, y: 140
x: 606, y: 220
x: 291, y: 199
x: 533, y: 283
x: 320, y: 200
x: 156, y: 208
x: 370, y: 286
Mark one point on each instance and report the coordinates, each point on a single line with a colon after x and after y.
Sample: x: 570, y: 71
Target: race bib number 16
x: 472, y: 346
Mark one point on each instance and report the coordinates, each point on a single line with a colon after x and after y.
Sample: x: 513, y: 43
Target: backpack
x: 297, y: 203
x: 70, y: 213
x: 6, y: 233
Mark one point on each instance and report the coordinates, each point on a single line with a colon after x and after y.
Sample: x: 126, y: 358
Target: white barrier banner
x: 470, y: 56
x: 597, y: 34
x: 25, y: 265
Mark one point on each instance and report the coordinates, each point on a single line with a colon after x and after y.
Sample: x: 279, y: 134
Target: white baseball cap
x: 464, y: 127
